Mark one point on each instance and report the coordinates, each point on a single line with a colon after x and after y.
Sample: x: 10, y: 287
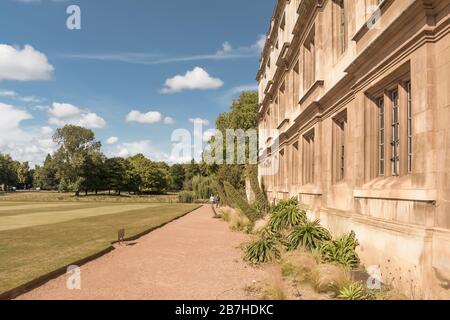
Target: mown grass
x: 70, y: 197
x: 27, y: 253
x: 65, y: 214
x: 19, y: 210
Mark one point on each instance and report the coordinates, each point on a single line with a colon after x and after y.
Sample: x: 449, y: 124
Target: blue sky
x: 137, y: 69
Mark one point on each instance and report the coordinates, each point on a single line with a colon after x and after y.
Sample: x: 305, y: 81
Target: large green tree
x: 177, y: 177
x: 153, y: 176
x: 243, y: 115
x: 23, y: 171
x: 8, y: 171
x: 45, y: 176
x: 76, y: 157
x: 95, y: 176
x: 116, y: 175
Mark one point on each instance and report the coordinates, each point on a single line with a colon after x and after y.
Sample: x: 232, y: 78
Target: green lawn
x: 38, y: 238
x: 45, y: 196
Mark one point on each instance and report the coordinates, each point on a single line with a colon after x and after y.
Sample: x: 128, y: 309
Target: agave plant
x: 286, y: 217
x: 263, y: 250
x: 354, y: 291
x: 308, y: 234
x: 283, y: 204
x: 341, y: 251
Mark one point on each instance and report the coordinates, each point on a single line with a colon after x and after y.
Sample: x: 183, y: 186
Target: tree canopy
x: 243, y: 115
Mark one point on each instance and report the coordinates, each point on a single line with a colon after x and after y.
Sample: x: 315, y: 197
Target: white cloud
x: 239, y: 89
x: 40, y: 108
x: 25, y: 64
x: 47, y: 143
x: 14, y: 95
x: 255, y: 49
x: 11, y: 117
x: 169, y: 120
x: 92, y: 121
x: 260, y: 43
x: 32, y: 99
x: 112, y: 140
x: 30, y: 144
x: 8, y: 94
x: 226, y: 49
x: 196, y: 79
x: 144, y: 118
x: 204, y: 122
x: 46, y: 130
x: 61, y: 114
x: 64, y: 110
x: 130, y: 149
x: 233, y: 92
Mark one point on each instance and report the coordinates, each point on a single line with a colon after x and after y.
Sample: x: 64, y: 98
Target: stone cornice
x: 426, y: 34
x: 270, y: 35
x: 307, y: 10
x: 383, y: 6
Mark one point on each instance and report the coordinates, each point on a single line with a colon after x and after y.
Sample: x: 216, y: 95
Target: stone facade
x: 359, y: 92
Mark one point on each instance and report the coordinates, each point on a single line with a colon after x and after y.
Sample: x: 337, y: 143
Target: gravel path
x: 195, y: 257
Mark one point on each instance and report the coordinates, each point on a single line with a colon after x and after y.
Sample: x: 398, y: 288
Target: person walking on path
x: 212, y: 201
x: 217, y: 201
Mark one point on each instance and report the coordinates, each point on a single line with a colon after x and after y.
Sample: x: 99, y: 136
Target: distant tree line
x: 79, y: 166
x: 14, y: 174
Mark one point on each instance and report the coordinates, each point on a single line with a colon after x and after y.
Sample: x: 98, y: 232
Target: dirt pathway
x: 195, y: 257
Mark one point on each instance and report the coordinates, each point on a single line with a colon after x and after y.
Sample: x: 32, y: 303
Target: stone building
x: 359, y: 93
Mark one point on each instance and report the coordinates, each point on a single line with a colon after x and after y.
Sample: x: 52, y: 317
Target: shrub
x: 275, y: 292
x: 298, y: 265
x: 275, y: 289
x: 261, y: 201
x: 354, y: 291
x: 286, y: 215
x: 341, y: 251
x: 236, y: 220
x: 283, y: 204
x: 387, y: 294
x: 240, y: 222
x: 308, y: 234
x: 260, y: 225
x: 263, y: 250
x: 330, y: 278
x: 186, y: 197
x: 225, y: 213
x: 238, y: 201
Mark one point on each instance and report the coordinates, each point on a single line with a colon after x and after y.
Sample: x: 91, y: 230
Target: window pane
x: 395, y: 134
x: 381, y: 136
x: 410, y: 137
